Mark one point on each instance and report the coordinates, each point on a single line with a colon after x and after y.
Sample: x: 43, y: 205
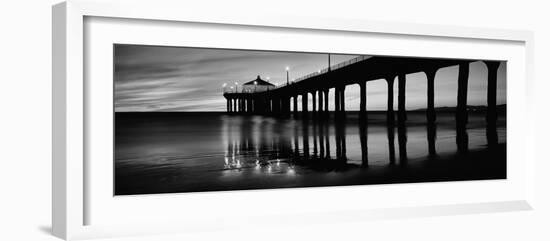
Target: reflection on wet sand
x: 256, y: 152
x: 391, y: 143
x: 363, y: 137
x: 308, y: 144
x: 402, y: 139
x: 431, y: 129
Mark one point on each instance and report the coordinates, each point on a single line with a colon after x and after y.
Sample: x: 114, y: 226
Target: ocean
x: 173, y: 152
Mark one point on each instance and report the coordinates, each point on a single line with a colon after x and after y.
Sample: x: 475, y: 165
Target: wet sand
x: 193, y: 152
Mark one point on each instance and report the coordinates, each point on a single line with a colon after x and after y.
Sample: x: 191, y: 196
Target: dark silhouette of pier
x: 360, y: 70
x: 277, y: 101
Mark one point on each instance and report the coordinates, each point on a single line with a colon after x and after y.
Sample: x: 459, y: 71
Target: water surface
x: 190, y: 152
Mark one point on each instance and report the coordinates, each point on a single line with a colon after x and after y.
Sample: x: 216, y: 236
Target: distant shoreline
x: 444, y: 109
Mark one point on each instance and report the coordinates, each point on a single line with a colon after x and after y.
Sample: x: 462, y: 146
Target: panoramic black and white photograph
x: 192, y: 119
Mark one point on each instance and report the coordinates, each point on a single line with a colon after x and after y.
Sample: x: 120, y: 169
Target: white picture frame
x: 72, y: 190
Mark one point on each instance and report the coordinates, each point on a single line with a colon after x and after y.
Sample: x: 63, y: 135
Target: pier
x: 279, y: 101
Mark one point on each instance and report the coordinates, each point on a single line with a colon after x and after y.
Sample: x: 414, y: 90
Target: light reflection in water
x: 276, y: 146
x: 164, y: 153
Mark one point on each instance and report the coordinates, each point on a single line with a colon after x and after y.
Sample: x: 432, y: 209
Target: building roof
x: 258, y: 81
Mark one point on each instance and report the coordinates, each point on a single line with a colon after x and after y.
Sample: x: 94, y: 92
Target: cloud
x: 154, y: 78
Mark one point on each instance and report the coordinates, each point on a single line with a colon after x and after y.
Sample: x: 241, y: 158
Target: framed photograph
x: 176, y: 121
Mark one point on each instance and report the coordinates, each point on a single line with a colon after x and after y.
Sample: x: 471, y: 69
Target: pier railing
x: 333, y: 67
x: 319, y: 72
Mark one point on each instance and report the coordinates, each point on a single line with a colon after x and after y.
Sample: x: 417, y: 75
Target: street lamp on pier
x: 287, y: 69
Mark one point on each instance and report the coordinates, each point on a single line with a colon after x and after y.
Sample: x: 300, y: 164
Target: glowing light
x: 226, y: 165
x: 318, y: 71
x: 236, y: 83
x: 231, y: 87
x: 255, y: 82
x: 238, y: 164
x: 224, y: 84
x: 287, y: 68
x: 291, y: 171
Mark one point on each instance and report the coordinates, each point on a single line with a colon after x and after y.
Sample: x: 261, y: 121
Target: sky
x: 181, y: 79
